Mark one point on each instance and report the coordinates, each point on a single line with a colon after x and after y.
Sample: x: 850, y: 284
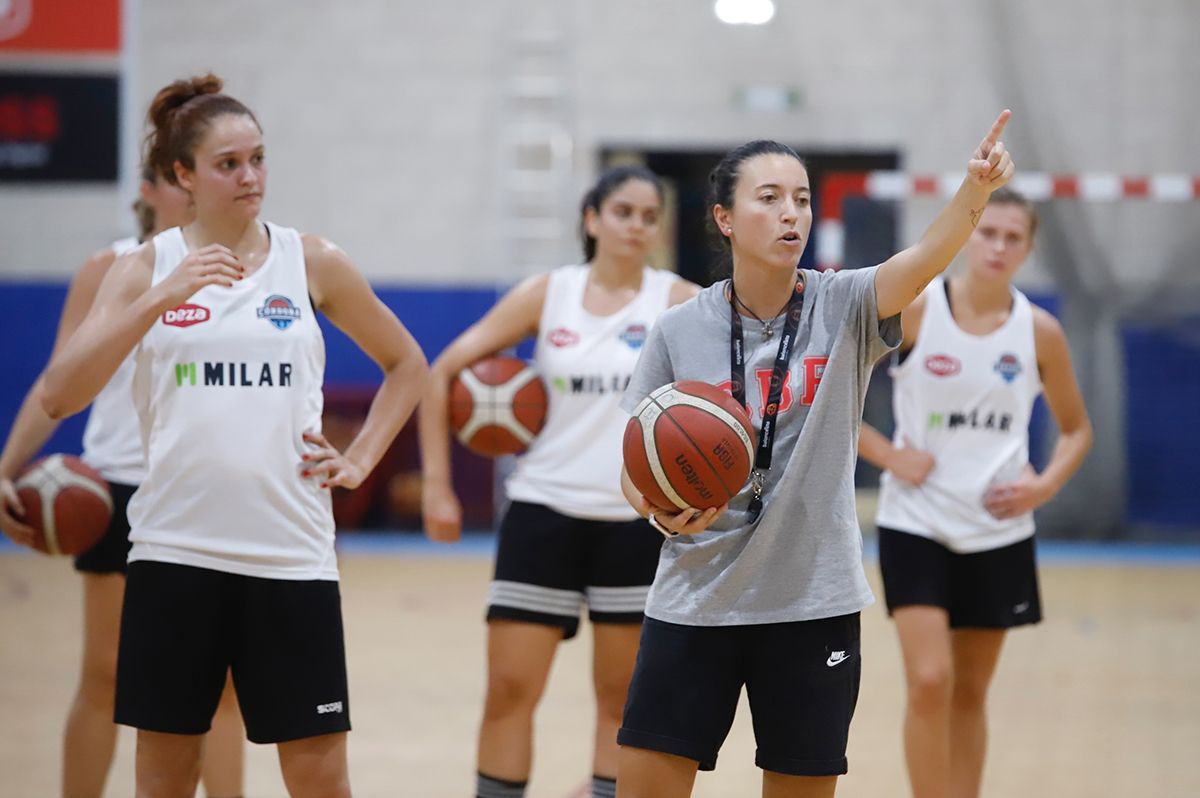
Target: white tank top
x: 225, y: 386
x: 112, y: 443
x: 965, y: 399
x: 574, y: 464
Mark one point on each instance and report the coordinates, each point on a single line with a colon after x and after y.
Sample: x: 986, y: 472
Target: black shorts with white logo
x: 995, y: 589
x: 111, y: 552
x: 548, y: 564
x: 801, y: 679
x: 183, y: 628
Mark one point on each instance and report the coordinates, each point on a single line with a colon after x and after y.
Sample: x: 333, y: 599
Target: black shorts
x: 183, y: 628
x: 548, y: 564
x: 111, y: 552
x: 801, y: 678
x: 996, y: 589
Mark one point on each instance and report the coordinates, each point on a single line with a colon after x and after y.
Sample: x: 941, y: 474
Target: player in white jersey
x: 956, y: 506
x: 568, y: 536
x: 112, y: 445
x: 232, y: 562
x: 765, y: 593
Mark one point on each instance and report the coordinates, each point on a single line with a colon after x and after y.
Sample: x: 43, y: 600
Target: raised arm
x: 125, y: 308
x: 32, y: 427
x: 514, y: 318
x: 902, y: 277
x: 342, y: 293
x: 1032, y: 490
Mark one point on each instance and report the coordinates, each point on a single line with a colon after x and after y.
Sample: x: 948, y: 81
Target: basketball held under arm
x: 32, y: 426
x: 514, y: 318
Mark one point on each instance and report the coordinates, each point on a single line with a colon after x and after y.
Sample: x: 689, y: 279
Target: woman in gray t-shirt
x: 766, y: 591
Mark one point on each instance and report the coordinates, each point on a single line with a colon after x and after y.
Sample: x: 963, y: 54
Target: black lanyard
x: 737, y: 372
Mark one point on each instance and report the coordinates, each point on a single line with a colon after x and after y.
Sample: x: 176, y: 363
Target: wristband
x: 666, y: 533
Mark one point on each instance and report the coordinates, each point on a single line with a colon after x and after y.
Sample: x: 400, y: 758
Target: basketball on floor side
x: 497, y: 405
x: 66, y: 502
x: 689, y: 444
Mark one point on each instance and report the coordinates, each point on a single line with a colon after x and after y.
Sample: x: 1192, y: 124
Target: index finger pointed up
x: 993, y: 135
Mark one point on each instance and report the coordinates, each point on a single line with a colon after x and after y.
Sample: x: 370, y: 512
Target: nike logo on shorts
x: 837, y: 658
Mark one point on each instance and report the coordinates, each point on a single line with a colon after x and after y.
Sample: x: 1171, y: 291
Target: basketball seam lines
x: 703, y: 457
x: 650, y: 449
x: 500, y: 409
x: 57, y: 476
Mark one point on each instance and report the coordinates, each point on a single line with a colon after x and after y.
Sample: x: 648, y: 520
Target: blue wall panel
x: 1162, y: 375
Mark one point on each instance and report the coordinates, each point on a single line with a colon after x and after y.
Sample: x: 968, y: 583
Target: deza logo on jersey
x: 186, y: 315
x: 561, y: 337
x: 280, y: 311
x: 943, y: 365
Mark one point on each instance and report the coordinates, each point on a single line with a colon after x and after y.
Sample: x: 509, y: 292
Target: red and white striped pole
x: 1038, y: 187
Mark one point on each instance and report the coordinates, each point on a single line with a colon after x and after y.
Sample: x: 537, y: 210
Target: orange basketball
x: 689, y: 444
x: 497, y: 405
x: 66, y: 502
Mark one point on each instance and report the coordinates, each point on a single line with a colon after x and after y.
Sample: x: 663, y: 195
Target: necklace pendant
x: 767, y: 333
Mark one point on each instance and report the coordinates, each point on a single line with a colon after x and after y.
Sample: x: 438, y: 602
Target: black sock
x: 604, y: 787
x: 489, y: 787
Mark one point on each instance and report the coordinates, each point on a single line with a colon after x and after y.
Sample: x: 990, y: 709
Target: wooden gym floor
x: 1102, y: 699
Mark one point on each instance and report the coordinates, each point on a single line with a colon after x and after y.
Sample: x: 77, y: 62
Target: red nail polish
x: 305, y: 473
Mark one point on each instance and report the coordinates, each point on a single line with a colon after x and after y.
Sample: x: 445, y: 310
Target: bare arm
x: 902, y: 277
x: 905, y: 462
x: 32, y: 427
x: 682, y: 291
x: 514, y: 318
x: 125, y: 308
x: 1065, y: 401
x: 341, y: 292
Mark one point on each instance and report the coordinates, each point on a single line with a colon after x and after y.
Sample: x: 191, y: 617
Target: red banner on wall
x: 60, y: 27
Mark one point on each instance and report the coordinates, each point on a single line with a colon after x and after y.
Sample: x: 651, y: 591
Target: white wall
x: 381, y: 117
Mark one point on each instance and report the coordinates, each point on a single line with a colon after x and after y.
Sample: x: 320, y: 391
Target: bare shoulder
x: 681, y: 291
x: 533, y: 286
x: 135, y: 263
x: 1049, y: 338
x: 1045, y: 323
x: 320, y: 252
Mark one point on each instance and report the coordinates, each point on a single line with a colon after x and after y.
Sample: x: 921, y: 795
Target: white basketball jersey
x: 574, y: 464
x: 112, y: 443
x: 966, y: 399
x: 225, y: 386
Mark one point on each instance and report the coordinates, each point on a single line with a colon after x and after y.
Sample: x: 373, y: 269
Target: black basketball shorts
x: 111, y: 552
x: 995, y: 589
x: 801, y: 679
x: 183, y: 628
x: 548, y: 564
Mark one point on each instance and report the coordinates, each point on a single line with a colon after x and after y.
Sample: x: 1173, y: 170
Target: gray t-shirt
x: 802, y: 559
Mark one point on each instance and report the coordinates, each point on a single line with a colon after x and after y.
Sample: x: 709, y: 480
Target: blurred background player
x: 569, y: 536
x: 112, y: 445
x: 233, y: 561
x: 766, y: 593
x: 956, y: 506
